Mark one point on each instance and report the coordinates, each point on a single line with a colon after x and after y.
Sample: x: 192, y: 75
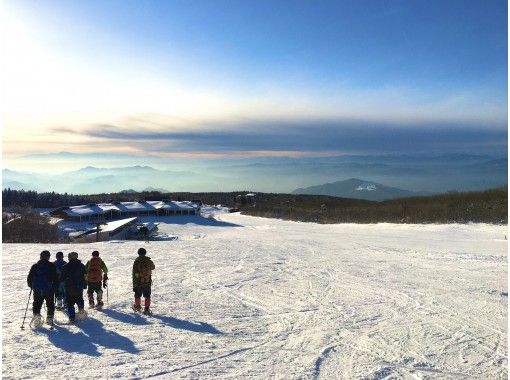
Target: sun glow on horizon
x: 129, y: 73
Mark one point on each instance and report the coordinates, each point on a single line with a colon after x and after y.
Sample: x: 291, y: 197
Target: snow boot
x: 91, y: 302
x: 137, y: 308
x: 36, y: 321
x: 82, y: 314
x: 99, y: 305
x: 147, y: 311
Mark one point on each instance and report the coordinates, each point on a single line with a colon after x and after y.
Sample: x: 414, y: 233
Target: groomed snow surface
x: 239, y: 297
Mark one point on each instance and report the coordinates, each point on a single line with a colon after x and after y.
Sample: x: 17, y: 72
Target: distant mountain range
x: 92, y: 180
x: 419, y: 173
x: 358, y: 189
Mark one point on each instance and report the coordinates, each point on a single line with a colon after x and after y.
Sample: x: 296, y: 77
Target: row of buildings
x: 119, y: 210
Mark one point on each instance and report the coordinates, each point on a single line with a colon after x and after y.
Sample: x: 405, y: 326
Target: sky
x: 160, y: 81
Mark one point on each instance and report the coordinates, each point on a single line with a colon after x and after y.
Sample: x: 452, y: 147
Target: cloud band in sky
x: 313, y: 136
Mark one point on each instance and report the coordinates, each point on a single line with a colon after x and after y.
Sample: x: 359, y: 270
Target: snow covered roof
x: 84, y: 210
x: 158, y: 204
x: 112, y: 226
x: 133, y: 206
x: 137, y: 206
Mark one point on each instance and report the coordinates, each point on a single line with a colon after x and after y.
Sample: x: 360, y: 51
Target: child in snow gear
x: 96, y: 271
x: 142, y: 280
x: 43, y: 281
x: 60, y: 294
x: 73, y: 276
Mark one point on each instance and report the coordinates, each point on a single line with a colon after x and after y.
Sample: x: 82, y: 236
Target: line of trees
x: 489, y: 206
x: 24, y: 225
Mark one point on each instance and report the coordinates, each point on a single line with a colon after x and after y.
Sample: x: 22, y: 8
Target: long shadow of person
x: 71, y: 342
x: 132, y: 319
x: 98, y: 335
x: 200, y: 327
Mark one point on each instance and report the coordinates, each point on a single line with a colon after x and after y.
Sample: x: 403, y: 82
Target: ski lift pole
x: 26, y: 309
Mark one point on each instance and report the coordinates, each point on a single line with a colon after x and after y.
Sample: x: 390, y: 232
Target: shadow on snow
x: 106, y: 338
x: 200, y: 327
x: 136, y: 319
x: 191, y: 219
x: 131, y: 318
x: 86, y: 342
x: 93, y: 334
x: 72, y: 342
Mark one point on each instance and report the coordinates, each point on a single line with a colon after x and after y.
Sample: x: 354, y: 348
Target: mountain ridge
x: 356, y: 188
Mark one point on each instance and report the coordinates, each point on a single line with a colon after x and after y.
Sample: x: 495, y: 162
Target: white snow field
x: 251, y: 298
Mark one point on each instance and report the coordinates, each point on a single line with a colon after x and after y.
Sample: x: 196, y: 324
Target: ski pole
x: 107, y: 296
x: 23, y: 323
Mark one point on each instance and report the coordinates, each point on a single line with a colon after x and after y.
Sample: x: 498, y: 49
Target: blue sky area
x: 177, y: 80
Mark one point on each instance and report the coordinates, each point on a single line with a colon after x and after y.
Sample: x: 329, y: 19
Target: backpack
x: 94, y: 270
x: 144, y: 270
x: 40, y: 281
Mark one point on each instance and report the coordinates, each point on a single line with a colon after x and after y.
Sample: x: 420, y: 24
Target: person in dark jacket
x: 96, y: 271
x: 43, y: 281
x: 60, y: 294
x: 142, y: 280
x: 73, y: 276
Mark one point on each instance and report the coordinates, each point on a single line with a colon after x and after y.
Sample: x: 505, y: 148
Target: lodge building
x: 120, y: 210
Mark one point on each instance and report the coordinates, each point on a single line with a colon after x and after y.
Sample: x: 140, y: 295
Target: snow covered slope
x: 246, y: 297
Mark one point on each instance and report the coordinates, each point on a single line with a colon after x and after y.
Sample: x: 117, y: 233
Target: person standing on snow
x: 43, y: 281
x: 142, y: 281
x: 60, y: 293
x: 73, y: 276
x: 96, y: 271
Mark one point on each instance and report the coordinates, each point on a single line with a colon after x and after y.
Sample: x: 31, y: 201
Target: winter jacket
x: 42, y: 277
x: 59, y: 263
x: 142, y: 270
x: 95, y: 267
x: 74, y: 276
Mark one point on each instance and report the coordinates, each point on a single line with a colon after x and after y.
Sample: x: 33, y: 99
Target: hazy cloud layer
x: 341, y: 136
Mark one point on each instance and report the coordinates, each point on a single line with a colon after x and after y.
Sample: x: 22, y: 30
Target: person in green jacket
x: 142, y: 281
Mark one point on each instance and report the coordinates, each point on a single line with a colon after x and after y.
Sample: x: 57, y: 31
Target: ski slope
x: 240, y: 297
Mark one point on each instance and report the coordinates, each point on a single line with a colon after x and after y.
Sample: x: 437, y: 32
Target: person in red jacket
x: 97, y: 278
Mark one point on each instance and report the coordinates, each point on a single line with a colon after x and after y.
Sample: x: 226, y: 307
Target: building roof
x: 138, y: 206
x: 112, y: 226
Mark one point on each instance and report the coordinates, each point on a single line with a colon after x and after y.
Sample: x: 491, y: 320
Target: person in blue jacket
x: 43, y: 281
x: 60, y: 294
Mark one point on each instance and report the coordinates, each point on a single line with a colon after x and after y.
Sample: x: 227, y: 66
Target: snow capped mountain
x: 370, y: 187
x: 357, y: 189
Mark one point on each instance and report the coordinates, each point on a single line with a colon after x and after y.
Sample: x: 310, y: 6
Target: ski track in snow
x: 261, y: 298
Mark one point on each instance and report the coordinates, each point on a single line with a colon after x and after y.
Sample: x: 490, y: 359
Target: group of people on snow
x: 60, y: 284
